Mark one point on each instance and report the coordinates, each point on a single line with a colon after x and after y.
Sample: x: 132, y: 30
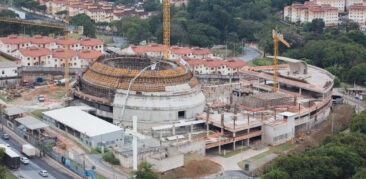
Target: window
x: 181, y: 114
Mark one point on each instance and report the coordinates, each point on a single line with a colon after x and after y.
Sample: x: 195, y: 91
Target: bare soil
x: 195, y: 166
x: 342, y: 116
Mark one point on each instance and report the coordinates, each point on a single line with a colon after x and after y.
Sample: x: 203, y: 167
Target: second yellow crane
x: 166, y: 29
x: 276, y: 37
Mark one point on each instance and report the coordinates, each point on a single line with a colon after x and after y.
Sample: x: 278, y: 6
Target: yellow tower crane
x: 276, y: 37
x: 166, y: 29
x: 51, y: 25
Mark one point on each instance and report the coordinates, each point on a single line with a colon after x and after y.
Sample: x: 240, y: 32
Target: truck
x: 28, y: 150
x: 11, y: 158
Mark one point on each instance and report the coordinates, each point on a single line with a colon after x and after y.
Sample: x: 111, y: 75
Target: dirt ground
x: 195, y: 166
x: 342, y: 116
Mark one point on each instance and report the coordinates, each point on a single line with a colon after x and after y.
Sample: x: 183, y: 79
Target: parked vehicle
x: 41, y: 98
x: 28, y: 150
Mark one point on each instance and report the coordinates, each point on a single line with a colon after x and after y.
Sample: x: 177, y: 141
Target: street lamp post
x: 129, y: 87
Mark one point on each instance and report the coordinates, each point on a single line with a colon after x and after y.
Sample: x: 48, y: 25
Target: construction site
x: 176, y: 112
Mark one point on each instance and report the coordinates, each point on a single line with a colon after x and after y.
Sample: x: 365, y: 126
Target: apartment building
x: 308, y: 11
x: 50, y: 52
x: 215, y: 66
x: 102, y: 11
x: 357, y: 13
x: 339, y: 4
x: 12, y: 43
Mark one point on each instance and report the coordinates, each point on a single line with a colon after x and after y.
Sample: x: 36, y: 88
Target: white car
x: 24, y: 160
x: 43, y: 173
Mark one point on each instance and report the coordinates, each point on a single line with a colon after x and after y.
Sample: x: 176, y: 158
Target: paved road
x: 35, y: 165
x: 359, y: 105
x: 250, y: 54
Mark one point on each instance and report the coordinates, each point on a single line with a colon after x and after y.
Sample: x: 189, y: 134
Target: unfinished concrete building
x: 254, y: 113
x: 163, y: 92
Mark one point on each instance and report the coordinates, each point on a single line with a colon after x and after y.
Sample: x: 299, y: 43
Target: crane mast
x: 276, y: 37
x: 66, y: 33
x: 166, y: 29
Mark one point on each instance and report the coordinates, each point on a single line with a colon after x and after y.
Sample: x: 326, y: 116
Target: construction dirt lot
x: 195, y: 166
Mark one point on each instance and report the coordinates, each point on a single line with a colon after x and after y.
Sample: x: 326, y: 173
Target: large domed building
x: 164, y: 91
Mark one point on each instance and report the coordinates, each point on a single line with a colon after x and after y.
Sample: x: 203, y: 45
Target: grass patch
x: 99, y: 176
x: 9, y: 175
x: 38, y: 113
x: 5, y: 99
x: 274, y: 149
x: 106, y: 39
x: 234, y: 152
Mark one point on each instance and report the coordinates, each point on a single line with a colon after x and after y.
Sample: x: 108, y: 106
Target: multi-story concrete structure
x: 357, y: 13
x: 163, y: 93
x: 252, y: 112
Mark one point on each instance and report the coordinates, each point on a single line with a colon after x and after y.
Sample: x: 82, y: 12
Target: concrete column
x: 219, y: 144
x: 222, y: 123
x: 191, y: 127
x: 173, y: 129
x: 190, y: 136
x: 248, y: 138
x: 300, y: 91
x: 234, y: 134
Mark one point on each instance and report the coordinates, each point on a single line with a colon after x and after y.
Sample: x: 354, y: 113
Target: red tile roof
x: 235, y: 63
x: 90, y: 42
x: 61, y: 53
x: 180, y: 50
x: 153, y: 47
x: 35, y: 52
x: 216, y: 62
x: 37, y: 39
x: 89, y: 54
x: 14, y: 39
x: 201, y: 51
x: 66, y: 41
x: 195, y: 62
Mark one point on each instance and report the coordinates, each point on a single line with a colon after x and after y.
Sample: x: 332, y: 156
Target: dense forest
x: 340, y: 156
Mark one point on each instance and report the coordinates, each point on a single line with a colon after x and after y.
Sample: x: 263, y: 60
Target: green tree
x: 316, y: 25
x: 360, y: 174
x: 85, y: 21
x: 134, y: 28
x: 359, y: 123
x: 145, y: 172
x: 276, y: 174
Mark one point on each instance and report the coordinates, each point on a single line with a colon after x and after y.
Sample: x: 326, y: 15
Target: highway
x: 35, y: 165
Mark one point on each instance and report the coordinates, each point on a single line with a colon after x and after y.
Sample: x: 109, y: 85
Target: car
x: 24, y: 160
x: 6, y: 136
x: 41, y: 98
x: 43, y: 173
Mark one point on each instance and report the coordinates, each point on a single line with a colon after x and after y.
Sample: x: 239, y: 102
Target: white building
x: 8, y: 69
x: 357, y: 13
x: 308, y: 11
x: 90, y: 130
